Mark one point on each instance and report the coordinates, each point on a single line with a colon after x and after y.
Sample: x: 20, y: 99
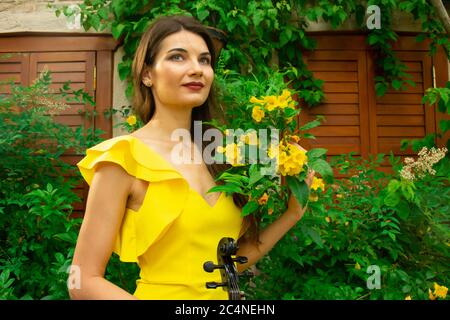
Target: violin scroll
x: 227, y: 248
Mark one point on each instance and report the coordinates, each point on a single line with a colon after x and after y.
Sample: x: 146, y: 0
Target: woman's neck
x: 166, y: 125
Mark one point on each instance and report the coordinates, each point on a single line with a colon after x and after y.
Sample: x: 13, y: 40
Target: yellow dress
x: 175, y: 230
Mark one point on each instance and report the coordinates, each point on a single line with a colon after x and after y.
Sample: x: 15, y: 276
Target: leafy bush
x: 328, y: 254
x: 37, y: 234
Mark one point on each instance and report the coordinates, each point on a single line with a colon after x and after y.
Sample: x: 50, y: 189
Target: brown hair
x: 144, y: 103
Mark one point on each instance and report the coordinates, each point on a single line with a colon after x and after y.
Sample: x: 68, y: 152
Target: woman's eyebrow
x: 184, y: 50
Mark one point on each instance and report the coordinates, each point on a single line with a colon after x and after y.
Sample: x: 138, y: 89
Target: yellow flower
x: 440, y: 291
x: 295, y: 138
x: 271, y: 102
x: 313, y: 197
x: 286, y: 94
x: 263, y: 199
x: 317, y: 183
x: 255, y: 100
x: 270, y: 211
x: 328, y: 219
x: 257, y: 113
x: 346, y: 223
x: 291, y: 160
x: 408, y: 298
x: 284, y: 99
x: 357, y: 266
x: 430, y: 295
x: 131, y: 120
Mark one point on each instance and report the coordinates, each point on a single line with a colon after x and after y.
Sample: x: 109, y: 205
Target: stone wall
x: 35, y: 16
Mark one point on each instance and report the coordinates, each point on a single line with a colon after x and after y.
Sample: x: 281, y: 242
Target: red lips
x: 194, y: 85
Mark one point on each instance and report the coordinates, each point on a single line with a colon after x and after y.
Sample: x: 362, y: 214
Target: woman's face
x: 183, y: 58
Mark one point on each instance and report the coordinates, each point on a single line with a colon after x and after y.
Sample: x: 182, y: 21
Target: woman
x: 149, y: 209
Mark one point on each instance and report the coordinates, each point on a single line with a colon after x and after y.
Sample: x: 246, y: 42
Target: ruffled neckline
x: 165, y: 165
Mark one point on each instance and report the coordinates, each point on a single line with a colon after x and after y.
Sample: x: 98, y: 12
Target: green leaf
x: 322, y: 167
x: 202, y: 14
x: 285, y: 36
x: 230, y: 188
x: 442, y: 107
x: 310, y: 125
x: 255, y: 174
x: 372, y: 39
x: 94, y: 20
x: 380, y: 89
x: 299, y: 189
x: 309, y: 135
x: 249, y: 208
x: 444, y: 125
x: 396, y: 84
x: 103, y: 13
x: 231, y: 24
x: 141, y: 25
x: 124, y: 70
x: 64, y: 237
x: 313, y: 234
x: 392, y: 199
x: 117, y: 30
x: 316, y: 153
x: 258, y: 17
x: 406, y: 288
x: 289, y: 112
x: 393, y: 185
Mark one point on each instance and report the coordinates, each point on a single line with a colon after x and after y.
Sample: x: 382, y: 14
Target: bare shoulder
x: 110, y: 183
x: 112, y: 171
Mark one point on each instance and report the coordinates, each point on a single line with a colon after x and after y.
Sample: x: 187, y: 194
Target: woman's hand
x: 294, y: 208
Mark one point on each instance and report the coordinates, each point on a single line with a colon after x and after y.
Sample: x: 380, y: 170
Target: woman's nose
x: 196, y: 68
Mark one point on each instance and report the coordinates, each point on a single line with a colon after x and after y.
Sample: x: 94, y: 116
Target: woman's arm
x: 105, y: 208
x: 274, y: 232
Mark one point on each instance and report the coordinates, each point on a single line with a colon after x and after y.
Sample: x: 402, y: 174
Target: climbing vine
x: 268, y: 32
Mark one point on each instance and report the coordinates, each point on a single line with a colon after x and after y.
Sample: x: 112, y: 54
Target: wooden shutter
x: 13, y: 66
x: 79, y: 69
x: 400, y: 115
x: 76, y: 67
x: 80, y: 58
x: 345, y: 106
x: 356, y: 119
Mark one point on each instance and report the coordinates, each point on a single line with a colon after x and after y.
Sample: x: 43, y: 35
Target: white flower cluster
x: 423, y: 164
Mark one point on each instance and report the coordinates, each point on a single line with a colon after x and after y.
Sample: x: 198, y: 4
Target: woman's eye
x: 206, y: 60
x: 177, y: 57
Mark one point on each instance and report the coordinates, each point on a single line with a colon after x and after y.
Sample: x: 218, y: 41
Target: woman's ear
x: 147, y: 78
x: 147, y: 81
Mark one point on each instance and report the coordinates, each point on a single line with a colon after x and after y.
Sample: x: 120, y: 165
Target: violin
x: 227, y: 248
